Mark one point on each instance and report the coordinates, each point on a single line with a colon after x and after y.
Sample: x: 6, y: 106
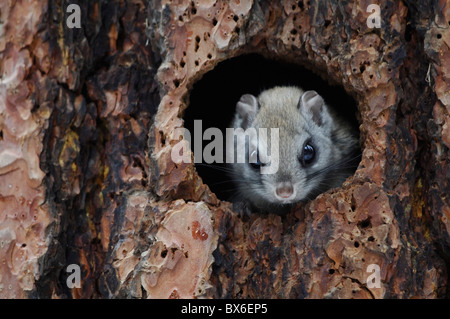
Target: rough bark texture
x: 87, y: 125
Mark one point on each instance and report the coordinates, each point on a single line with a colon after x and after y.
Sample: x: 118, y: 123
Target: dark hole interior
x: 213, y: 99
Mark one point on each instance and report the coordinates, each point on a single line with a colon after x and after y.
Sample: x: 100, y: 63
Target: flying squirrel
x: 317, y: 150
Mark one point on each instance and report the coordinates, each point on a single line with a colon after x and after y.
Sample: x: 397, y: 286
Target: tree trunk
x: 87, y: 126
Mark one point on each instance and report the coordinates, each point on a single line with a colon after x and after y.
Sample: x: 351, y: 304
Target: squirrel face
x: 309, y: 161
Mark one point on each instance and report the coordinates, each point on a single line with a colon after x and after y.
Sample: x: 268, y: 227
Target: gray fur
x: 300, y: 116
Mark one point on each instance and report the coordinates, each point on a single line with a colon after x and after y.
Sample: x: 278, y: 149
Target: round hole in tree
x: 213, y: 99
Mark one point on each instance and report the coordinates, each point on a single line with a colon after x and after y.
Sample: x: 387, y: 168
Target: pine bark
x: 87, y: 125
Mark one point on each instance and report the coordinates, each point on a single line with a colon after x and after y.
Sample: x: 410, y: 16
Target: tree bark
x: 87, y: 126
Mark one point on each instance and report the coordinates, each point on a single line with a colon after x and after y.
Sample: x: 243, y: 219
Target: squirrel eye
x: 308, y: 154
x: 255, y: 162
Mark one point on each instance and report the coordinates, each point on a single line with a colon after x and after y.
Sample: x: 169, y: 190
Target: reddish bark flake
x: 198, y: 232
x: 174, y: 295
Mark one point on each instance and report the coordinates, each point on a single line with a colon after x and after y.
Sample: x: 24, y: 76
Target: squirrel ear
x: 311, y: 105
x: 246, y: 108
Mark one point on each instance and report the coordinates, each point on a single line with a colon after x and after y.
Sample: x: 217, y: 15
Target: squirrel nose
x: 284, y: 190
